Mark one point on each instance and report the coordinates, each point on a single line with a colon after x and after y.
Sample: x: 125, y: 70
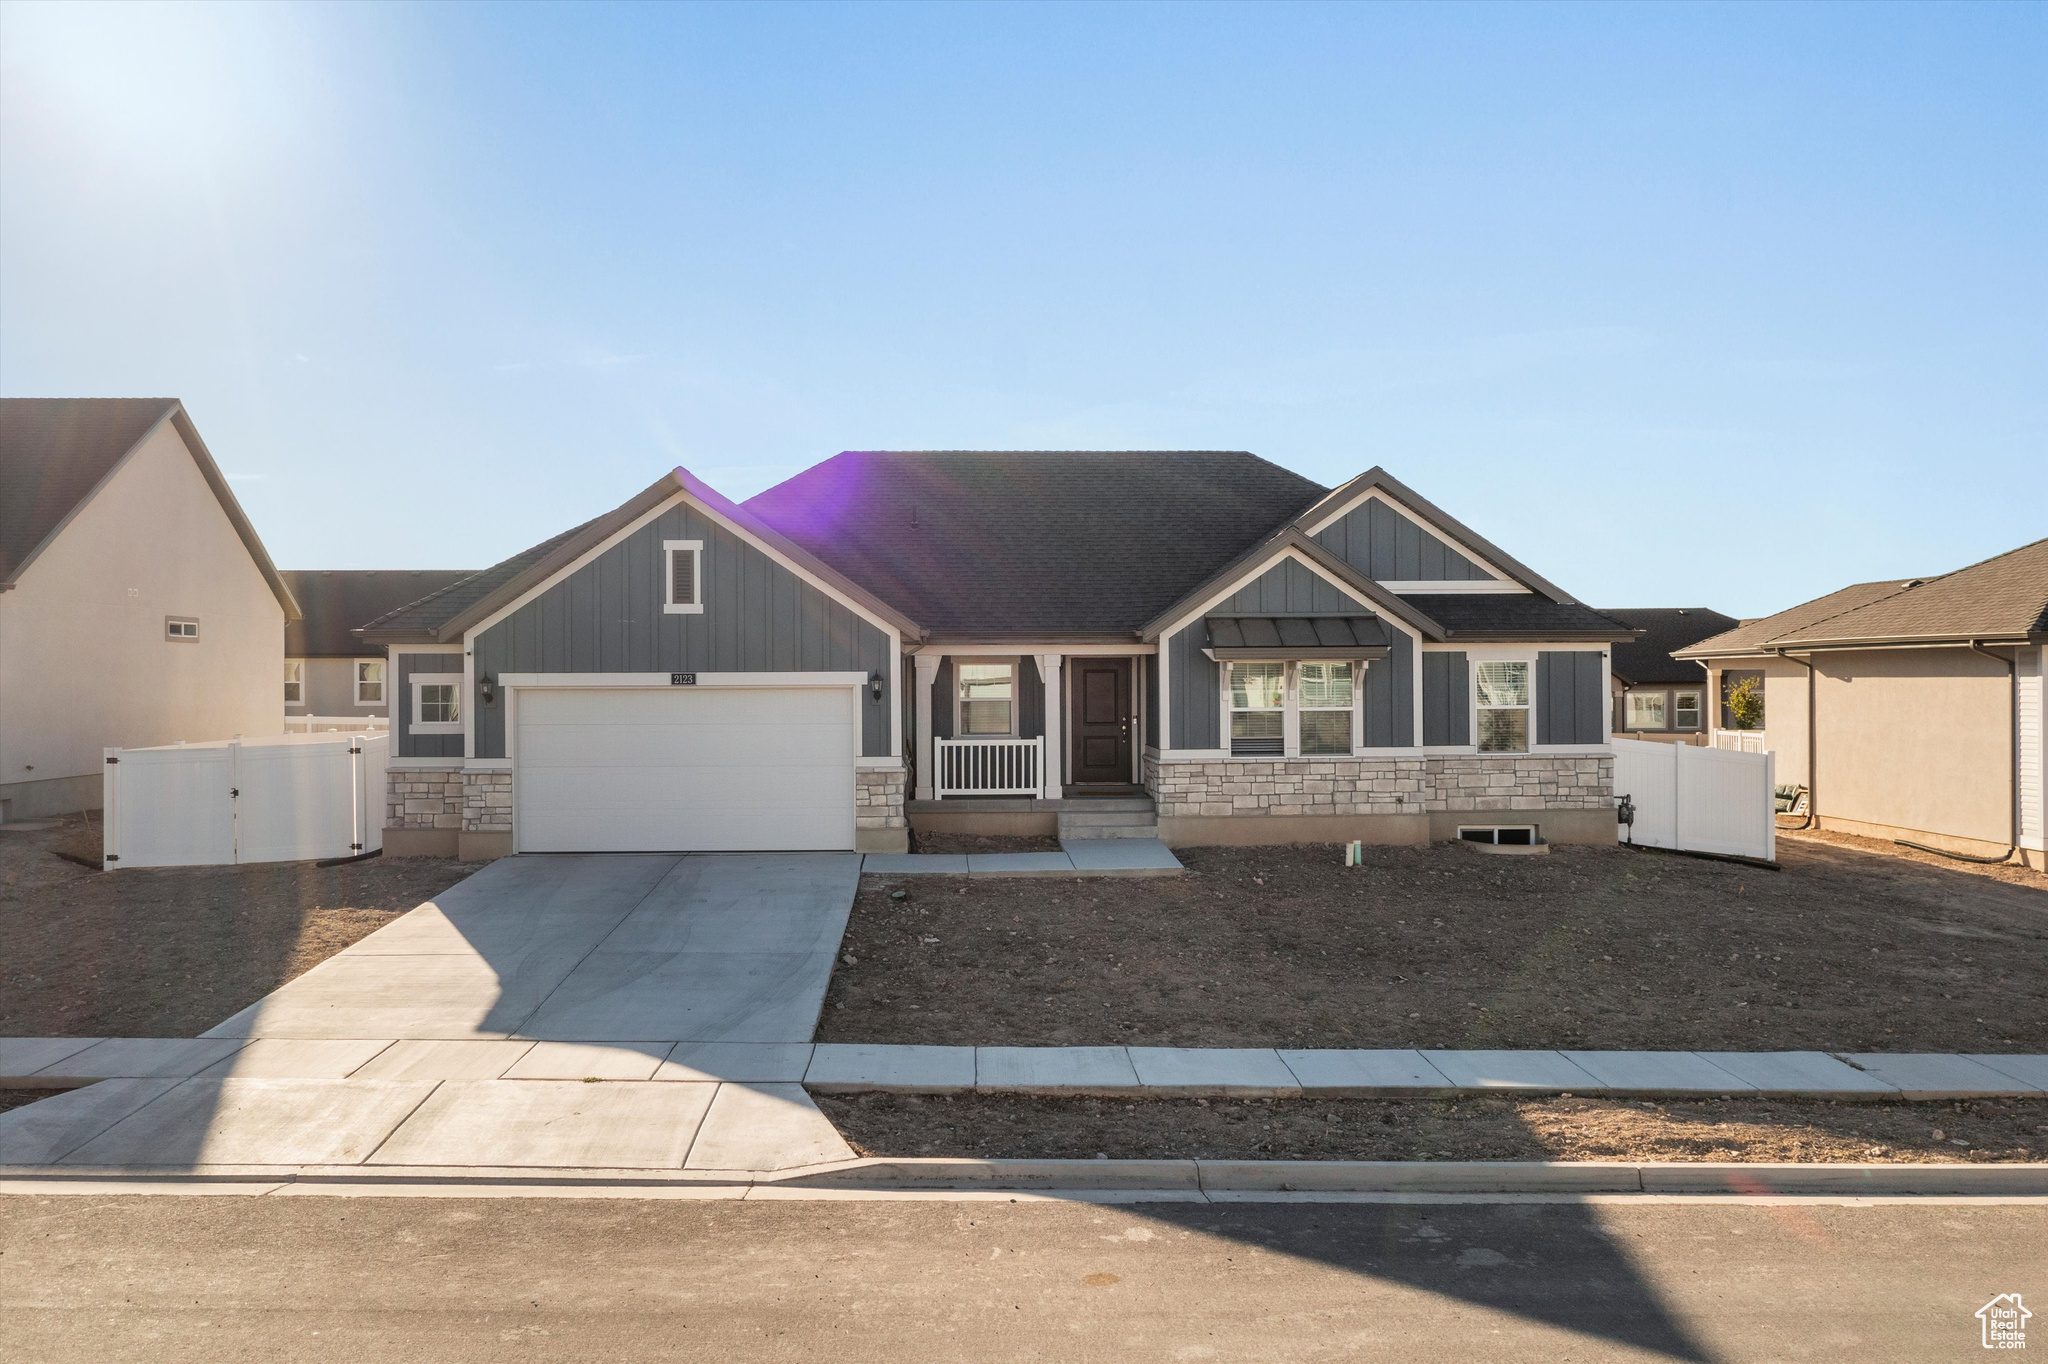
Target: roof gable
x: 1386, y: 544
x: 1482, y: 553
x: 56, y: 453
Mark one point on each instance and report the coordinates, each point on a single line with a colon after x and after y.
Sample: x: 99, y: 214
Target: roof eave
x: 1290, y: 536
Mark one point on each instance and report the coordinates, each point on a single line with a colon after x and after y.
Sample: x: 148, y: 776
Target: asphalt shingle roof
x: 437, y: 608
x: 334, y: 602
x: 1648, y: 660
x: 53, y: 452
x: 1006, y: 543
x: 1514, y: 615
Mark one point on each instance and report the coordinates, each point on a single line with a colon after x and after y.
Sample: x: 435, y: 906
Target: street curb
x: 1187, y: 1178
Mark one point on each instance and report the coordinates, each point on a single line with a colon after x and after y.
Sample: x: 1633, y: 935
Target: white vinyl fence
x: 337, y: 724
x: 285, y: 798
x: 989, y: 767
x: 1698, y: 799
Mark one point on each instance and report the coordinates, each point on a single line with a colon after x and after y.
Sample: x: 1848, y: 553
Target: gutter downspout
x: 1812, y: 750
x: 2012, y: 667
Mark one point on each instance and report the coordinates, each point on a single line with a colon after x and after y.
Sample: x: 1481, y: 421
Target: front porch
x: 1031, y: 727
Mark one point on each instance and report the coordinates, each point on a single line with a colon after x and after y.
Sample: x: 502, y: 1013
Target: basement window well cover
x: 1521, y: 834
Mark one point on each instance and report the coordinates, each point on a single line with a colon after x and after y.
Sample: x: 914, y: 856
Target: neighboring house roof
x: 1033, y: 543
x: 1515, y: 616
x: 1647, y: 660
x: 445, y: 615
x: 55, y: 453
x: 334, y: 602
x: 2002, y: 599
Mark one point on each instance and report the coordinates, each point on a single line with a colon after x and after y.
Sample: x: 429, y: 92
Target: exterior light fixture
x: 875, y: 685
x: 488, y: 685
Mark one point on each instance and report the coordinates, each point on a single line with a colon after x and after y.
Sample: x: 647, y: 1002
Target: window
x: 437, y: 703
x: 988, y: 693
x: 1324, y: 690
x: 685, y: 577
x: 1258, y: 698
x: 1646, y: 709
x: 1504, y: 707
x: 182, y: 628
x: 295, y: 681
x: 369, y: 681
x: 1688, y: 710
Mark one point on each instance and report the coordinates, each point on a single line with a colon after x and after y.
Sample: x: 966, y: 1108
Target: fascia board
x: 1290, y: 540
x: 1377, y: 477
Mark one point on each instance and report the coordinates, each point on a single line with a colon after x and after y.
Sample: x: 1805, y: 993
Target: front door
x: 1101, y: 720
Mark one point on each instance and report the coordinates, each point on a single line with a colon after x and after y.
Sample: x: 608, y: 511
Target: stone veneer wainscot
x: 878, y: 795
x: 1380, y: 786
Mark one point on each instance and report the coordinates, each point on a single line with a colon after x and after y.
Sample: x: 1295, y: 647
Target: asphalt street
x: 372, y: 1279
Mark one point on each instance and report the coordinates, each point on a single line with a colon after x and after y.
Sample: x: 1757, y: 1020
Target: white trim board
x: 1012, y: 647
x: 585, y: 680
x: 1504, y: 579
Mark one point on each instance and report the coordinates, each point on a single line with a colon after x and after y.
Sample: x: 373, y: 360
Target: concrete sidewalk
x: 1080, y: 857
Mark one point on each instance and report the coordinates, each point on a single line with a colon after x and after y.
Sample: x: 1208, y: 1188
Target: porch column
x: 926, y: 669
x: 1055, y: 728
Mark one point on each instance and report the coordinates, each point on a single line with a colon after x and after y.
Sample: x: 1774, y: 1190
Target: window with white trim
x: 683, y: 577
x: 436, y: 703
x: 1258, y: 708
x: 1503, y: 706
x: 369, y: 681
x: 1324, y: 691
x: 295, y: 681
x: 181, y: 629
x: 988, y: 699
x: 1646, y: 710
x: 1686, y: 714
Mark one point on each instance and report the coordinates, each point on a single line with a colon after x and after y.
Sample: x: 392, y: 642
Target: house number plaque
x: 682, y: 679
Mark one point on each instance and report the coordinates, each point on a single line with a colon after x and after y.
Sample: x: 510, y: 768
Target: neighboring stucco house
x: 1912, y: 709
x: 1227, y: 651
x: 137, y: 605
x: 328, y: 669
x: 1656, y: 696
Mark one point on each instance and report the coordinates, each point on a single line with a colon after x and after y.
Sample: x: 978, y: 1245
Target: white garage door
x: 736, y: 769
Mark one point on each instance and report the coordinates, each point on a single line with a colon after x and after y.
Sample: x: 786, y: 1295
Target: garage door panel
x: 712, y: 770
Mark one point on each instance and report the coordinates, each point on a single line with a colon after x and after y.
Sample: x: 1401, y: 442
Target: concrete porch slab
x: 1797, y: 1074
x: 2031, y: 1069
x: 1335, y: 1074
x: 428, y: 1059
x: 890, y: 1070
x: 765, y: 1127
x: 258, y: 1122
x: 124, y: 1058
x: 589, y: 1060
x: 1920, y: 1076
x: 551, y: 1123
x: 1122, y: 857
x: 294, y: 1058
x: 746, y: 1062
x: 914, y: 864
x: 50, y: 1129
x: 1214, y: 1072
x: 22, y: 1057
x: 1658, y: 1072
x: 1541, y: 1071
x: 1055, y: 1070
x: 1020, y: 864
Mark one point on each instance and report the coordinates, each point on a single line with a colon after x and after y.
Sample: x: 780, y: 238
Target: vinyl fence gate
x: 1698, y: 799
x: 282, y: 798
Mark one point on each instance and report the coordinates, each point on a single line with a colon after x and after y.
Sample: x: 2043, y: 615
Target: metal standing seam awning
x: 1284, y: 639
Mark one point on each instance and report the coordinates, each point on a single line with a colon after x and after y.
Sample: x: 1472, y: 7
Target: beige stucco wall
x: 84, y: 664
x: 1913, y: 740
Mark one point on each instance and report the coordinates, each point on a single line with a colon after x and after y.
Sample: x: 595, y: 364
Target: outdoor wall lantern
x: 875, y: 685
x: 488, y: 685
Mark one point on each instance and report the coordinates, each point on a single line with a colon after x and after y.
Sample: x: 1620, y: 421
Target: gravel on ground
x: 1001, y: 1126
x: 1438, y: 946
x: 171, y: 951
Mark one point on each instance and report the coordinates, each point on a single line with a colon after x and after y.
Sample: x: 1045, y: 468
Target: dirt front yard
x: 1439, y: 946
x: 994, y: 1126
x: 169, y: 952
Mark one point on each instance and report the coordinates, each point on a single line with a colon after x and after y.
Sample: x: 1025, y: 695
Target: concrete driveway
x: 550, y: 1011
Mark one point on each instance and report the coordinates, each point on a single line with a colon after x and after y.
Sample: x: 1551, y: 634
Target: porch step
x: 1130, y: 818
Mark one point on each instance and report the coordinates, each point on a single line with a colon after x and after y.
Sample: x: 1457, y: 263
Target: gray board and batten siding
x: 608, y: 617
x: 1388, y: 547
x: 1571, y: 702
x: 398, y: 694
x: 1028, y: 696
x: 1446, y: 700
x: 1287, y: 588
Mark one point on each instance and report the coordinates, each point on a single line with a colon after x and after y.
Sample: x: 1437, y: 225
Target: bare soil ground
x: 992, y: 1126
x: 2012, y: 873
x: 1597, y: 948
x: 169, y: 952
x: 982, y: 843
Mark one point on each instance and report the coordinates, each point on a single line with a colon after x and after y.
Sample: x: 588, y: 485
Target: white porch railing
x: 1739, y: 740
x: 334, y: 724
x: 989, y: 767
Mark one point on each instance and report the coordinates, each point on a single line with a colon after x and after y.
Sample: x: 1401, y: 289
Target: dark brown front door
x: 1101, y: 720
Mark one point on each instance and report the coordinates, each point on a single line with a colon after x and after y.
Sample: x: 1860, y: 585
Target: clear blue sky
x: 1702, y: 306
